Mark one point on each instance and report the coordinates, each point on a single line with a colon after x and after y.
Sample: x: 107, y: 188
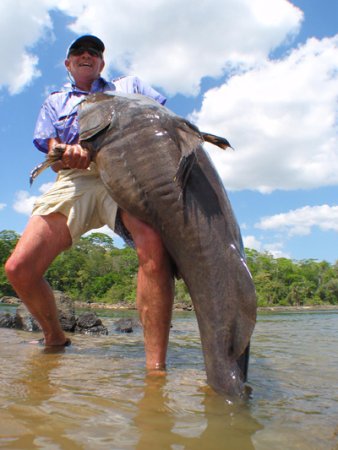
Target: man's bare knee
x: 43, y: 239
x: 152, y: 255
x: 19, y: 273
x: 12, y: 269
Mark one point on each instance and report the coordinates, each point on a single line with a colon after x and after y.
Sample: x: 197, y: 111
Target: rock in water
x: 89, y: 323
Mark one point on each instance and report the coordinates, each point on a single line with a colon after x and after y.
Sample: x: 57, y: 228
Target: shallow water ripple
x: 96, y: 394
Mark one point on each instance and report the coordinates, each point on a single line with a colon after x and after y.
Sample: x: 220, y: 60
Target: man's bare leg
x: 155, y: 290
x: 43, y: 239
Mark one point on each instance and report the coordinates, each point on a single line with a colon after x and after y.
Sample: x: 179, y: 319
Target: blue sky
x: 262, y: 73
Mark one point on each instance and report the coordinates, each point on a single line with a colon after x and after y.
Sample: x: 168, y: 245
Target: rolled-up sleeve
x: 44, y: 128
x: 145, y: 89
x: 134, y: 85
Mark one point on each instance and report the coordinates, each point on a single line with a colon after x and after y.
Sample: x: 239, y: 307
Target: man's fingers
x: 76, y: 157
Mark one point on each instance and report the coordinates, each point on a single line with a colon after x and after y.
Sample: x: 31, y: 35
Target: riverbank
x: 183, y: 307
x: 298, y: 308
x: 179, y: 306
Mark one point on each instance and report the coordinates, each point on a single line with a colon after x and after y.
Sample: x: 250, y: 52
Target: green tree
x: 100, y: 239
x: 8, y: 240
x: 181, y: 292
x: 328, y: 292
x: 95, y: 270
x: 300, y: 293
x: 282, y: 281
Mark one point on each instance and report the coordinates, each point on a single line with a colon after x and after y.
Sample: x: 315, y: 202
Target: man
x: 79, y: 202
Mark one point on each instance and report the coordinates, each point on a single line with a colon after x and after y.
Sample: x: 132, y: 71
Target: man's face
x: 85, y: 64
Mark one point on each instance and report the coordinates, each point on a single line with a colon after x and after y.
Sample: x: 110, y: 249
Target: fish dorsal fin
x: 94, y: 119
x: 216, y: 140
x: 189, y: 138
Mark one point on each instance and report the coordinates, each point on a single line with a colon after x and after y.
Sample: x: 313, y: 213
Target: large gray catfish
x: 153, y: 164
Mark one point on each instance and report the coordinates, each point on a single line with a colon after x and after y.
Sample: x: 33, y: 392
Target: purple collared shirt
x: 58, y: 114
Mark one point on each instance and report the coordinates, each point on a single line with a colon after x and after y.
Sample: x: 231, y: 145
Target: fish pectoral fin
x: 184, y: 168
x: 189, y: 139
x: 95, y: 115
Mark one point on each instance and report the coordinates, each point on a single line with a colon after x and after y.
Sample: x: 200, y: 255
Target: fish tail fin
x: 51, y: 158
x: 38, y: 169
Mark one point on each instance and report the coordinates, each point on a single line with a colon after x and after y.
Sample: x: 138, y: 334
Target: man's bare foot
x: 41, y: 341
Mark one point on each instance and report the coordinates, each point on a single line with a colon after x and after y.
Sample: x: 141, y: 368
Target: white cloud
x: 275, y: 248
x: 301, y: 221
x: 170, y: 44
x: 2, y: 206
x: 284, y: 132
x: 45, y: 187
x: 175, y: 44
x: 24, y: 201
x: 22, y: 24
x: 281, y: 118
x: 252, y: 242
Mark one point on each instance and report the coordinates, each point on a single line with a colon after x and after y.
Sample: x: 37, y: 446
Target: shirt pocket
x: 67, y: 128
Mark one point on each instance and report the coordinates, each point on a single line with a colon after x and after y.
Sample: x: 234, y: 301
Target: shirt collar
x: 97, y: 86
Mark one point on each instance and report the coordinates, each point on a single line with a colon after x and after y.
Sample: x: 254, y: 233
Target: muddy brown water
x: 96, y: 394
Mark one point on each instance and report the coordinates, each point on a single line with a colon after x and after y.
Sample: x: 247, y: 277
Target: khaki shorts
x: 80, y: 196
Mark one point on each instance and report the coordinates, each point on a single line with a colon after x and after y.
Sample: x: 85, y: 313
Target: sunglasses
x: 81, y: 50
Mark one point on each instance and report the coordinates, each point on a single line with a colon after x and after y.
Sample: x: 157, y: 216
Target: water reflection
x: 220, y: 425
x: 29, y: 424
x: 50, y: 411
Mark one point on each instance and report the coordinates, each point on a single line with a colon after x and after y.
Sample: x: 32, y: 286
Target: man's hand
x: 75, y: 157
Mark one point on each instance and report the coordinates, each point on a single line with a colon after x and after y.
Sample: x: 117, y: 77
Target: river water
x: 95, y: 395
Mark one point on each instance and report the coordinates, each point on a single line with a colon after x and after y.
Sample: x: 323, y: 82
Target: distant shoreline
x: 186, y: 308
x: 297, y: 308
x: 179, y: 306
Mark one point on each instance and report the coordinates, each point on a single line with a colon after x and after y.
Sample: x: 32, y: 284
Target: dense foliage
x: 95, y: 270
x: 8, y: 240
